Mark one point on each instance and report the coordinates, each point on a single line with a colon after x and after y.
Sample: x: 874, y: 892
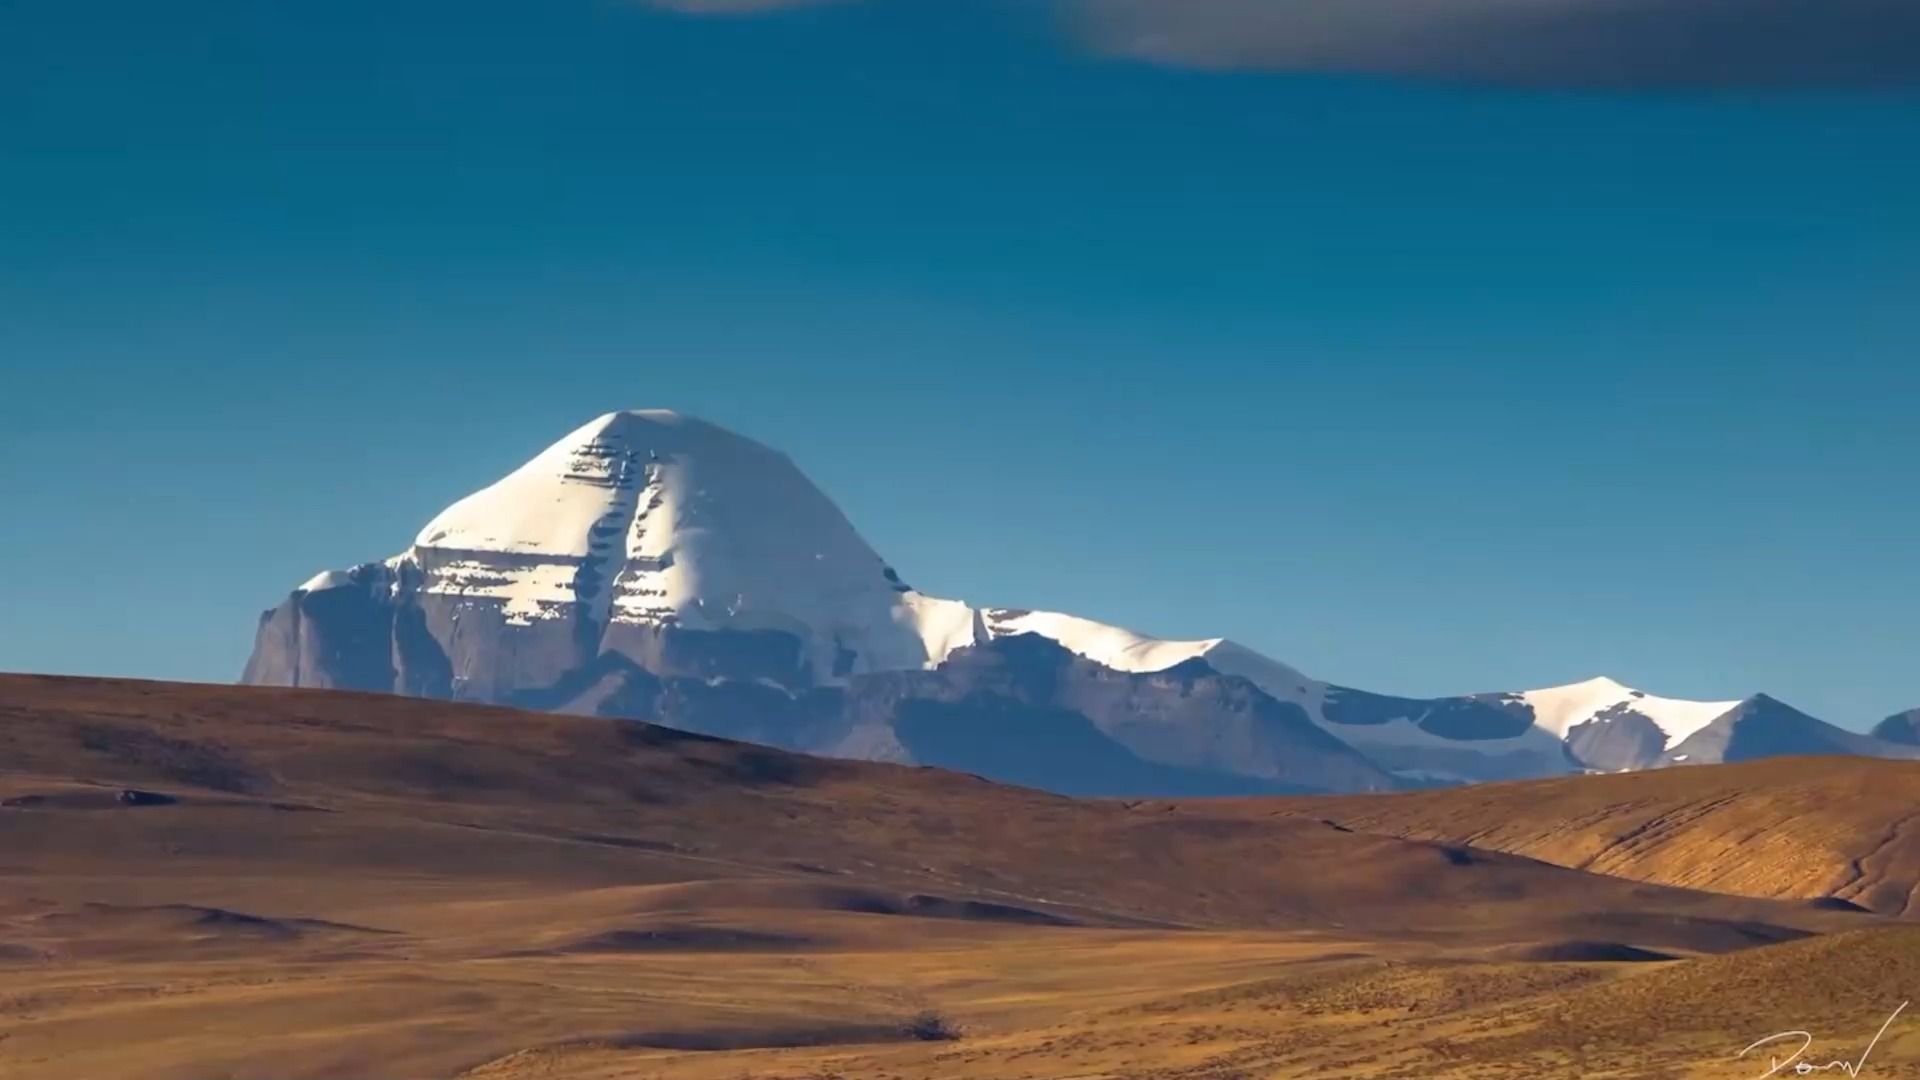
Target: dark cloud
x: 1603, y: 43
x: 733, y: 7
x: 1625, y: 44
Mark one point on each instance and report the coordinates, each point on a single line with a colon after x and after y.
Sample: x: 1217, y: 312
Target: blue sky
x: 1420, y: 387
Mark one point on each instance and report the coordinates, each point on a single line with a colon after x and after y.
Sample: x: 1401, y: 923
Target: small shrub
x: 930, y: 1026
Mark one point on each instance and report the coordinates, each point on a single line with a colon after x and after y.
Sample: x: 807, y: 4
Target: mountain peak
x: 583, y: 491
x: 652, y: 519
x: 640, y: 416
x: 1560, y: 709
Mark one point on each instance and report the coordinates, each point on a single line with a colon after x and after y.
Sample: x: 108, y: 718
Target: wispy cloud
x: 1624, y: 44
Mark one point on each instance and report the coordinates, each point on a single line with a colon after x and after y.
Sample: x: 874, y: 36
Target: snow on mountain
x: 1449, y: 740
x: 1125, y: 650
x: 653, y: 521
x: 648, y: 546
x: 1117, y: 648
x: 1560, y: 709
x: 650, y: 519
x: 1600, y: 725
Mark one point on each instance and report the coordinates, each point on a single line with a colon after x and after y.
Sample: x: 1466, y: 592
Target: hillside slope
x: 1840, y: 827
x: 627, y: 792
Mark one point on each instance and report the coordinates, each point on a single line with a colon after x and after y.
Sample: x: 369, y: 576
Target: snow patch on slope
x: 943, y: 626
x: 326, y: 579
x: 1126, y: 650
x: 1112, y: 646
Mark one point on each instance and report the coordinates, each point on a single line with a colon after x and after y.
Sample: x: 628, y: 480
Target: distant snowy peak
x: 1560, y: 709
x: 1607, y: 726
x: 1600, y: 725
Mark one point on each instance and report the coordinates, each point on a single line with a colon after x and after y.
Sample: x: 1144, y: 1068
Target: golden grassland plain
x: 204, y: 883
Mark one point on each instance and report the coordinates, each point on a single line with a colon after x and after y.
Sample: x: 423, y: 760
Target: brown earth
x: 213, y: 882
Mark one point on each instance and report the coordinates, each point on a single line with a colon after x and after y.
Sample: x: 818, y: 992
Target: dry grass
x: 368, y: 888
x: 1788, y: 827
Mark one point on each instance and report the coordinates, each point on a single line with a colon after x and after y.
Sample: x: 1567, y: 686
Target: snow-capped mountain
x: 675, y: 543
x: 656, y: 566
x: 1608, y: 726
x: 639, y: 534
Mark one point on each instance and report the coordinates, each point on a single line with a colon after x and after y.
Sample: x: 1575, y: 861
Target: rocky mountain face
x: 653, y: 566
x: 1761, y: 727
x: 1021, y: 709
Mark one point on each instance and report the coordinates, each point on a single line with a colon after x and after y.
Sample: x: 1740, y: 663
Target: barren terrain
x: 212, y: 882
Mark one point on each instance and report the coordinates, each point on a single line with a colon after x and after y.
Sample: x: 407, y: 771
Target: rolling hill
x: 219, y: 881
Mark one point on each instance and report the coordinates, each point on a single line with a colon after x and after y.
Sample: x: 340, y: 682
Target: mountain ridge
x: 648, y: 541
